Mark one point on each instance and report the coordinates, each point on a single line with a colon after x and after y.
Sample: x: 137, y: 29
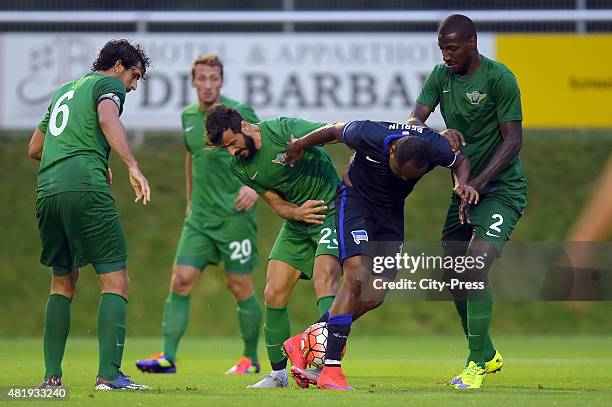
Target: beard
x: 249, y: 147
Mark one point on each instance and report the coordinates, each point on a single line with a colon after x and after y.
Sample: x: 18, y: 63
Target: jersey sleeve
x: 299, y: 127
x: 240, y: 173
x: 430, y: 93
x: 508, y: 99
x: 44, y: 123
x: 353, y: 136
x: 442, y: 154
x: 108, y: 88
x: 184, y: 133
x: 248, y: 113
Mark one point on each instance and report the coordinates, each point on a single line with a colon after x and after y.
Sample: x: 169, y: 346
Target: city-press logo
x: 359, y: 235
x: 281, y: 158
x: 476, y: 97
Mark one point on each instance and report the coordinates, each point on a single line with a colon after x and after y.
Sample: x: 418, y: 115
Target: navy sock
x: 282, y: 365
x: 338, y: 329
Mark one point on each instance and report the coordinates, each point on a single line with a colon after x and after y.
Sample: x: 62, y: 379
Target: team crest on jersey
x: 281, y: 158
x: 359, y: 235
x: 475, y: 97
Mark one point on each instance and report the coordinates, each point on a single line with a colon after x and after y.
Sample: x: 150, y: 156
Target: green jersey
x: 75, y: 152
x: 475, y: 105
x: 313, y: 177
x: 214, y: 186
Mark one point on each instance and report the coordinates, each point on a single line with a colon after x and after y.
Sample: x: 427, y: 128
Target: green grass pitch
x: 539, y: 370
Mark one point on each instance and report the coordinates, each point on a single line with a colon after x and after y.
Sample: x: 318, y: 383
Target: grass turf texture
x: 539, y: 370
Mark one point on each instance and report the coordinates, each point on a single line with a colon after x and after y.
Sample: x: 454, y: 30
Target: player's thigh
x: 493, y: 220
x: 354, y: 223
x: 294, y: 247
x: 55, y: 251
x: 281, y: 278
x: 94, y: 231
x: 237, y: 243
x: 196, y: 248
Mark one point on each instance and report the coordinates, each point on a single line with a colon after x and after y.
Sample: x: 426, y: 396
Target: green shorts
x: 78, y: 228
x: 299, y: 243
x: 492, y: 220
x: 233, y: 241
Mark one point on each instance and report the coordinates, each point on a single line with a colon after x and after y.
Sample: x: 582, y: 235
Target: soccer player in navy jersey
x: 390, y: 158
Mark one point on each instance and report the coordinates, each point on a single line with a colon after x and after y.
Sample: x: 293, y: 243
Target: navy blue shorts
x: 365, y: 229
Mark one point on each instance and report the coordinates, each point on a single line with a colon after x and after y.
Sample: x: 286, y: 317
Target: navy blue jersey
x: 370, y: 173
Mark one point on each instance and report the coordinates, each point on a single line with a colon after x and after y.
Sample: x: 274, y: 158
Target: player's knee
x: 182, y: 283
x: 65, y: 285
x: 275, y: 296
x: 116, y: 282
x: 239, y: 288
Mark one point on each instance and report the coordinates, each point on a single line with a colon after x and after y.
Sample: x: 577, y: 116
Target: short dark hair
x: 458, y: 24
x: 122, y: 50
x: 220, y: 118
x: 210, y: 60
x: 413, y: 148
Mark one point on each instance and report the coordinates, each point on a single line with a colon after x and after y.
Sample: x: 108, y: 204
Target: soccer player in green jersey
x: 480, y: 100
x: 220, y: 226
x: 306, y: 246
x: 77, y: 216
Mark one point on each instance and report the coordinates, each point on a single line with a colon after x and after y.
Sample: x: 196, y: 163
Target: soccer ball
x: 314, y: 343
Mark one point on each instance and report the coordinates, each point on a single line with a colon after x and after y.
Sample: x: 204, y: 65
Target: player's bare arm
x: 188, y: 182
x: 512, y: 135
x: 36, y: 145
x: 330, y: 134
x: 108, y: 117
x: 419, y: 116
x: 468, y: 194
x: 308, y: 212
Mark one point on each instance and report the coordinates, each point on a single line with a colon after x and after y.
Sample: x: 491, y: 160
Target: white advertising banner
x: 324, y: 77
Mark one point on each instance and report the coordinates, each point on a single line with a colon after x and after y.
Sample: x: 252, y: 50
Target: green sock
x: 479, y: 313
x: 325, y: 303
x: 249, y: 317
x: 461, y: 307
x: 277, y: 330
x: 111, y: 334
x: 57, y: 325
x: 176, y: 315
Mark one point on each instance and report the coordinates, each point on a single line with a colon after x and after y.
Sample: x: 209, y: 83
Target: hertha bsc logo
x: 281, y: 158
x: 475, y: 97
x: 359, y: 235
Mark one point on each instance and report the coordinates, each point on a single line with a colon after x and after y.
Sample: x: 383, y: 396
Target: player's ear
x: 119, y: 66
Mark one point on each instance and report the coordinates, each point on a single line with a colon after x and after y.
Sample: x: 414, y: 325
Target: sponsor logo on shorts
x: 372, y: 160
x: 188, y: 129
x: 491, y: 234
x: 359, y: 235
x: 242, y: 261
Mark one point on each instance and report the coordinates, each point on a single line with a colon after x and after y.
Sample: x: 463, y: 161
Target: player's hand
x: 477, y: 185
x: 464, y: 212
x: 455, y: 139
x: 294, y: 151
x: 140, y: 185
x: 109, y: 177
x: 246, y: 198
x: 309, y: 212
x: 468, y: 193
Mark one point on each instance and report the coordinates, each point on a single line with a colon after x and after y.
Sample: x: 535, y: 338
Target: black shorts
x: 365, y: 229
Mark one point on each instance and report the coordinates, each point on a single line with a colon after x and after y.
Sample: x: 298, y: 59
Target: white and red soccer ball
x: 314, y: 344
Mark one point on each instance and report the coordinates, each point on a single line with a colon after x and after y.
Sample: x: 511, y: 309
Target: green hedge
x: 561, y: 170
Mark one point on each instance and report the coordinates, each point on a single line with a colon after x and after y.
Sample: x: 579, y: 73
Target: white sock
x: 280, y: 374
